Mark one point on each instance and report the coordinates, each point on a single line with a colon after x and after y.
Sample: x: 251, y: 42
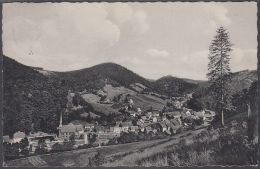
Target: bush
x: 194, y: 104
x: 40, y: 150
x: 62, y: 147
x: 97, y: 160
x: 11, y: 151
x: 25, y: 152
x: 84, y: 146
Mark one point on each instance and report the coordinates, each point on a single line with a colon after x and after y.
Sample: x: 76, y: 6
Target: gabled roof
x: 163, y: 125
x: 79, y: 127
x: 126, y: 124
x: 70, y: 128
x: 175, y: 122
x: 40, y: 134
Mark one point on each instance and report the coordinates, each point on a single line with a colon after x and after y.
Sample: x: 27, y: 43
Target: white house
x: 131, y: 101
x: 139, y: 110
x: 18, y: 136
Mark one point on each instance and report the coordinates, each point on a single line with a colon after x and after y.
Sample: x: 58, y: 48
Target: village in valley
x: 130, y: 84
x: 174, y: 118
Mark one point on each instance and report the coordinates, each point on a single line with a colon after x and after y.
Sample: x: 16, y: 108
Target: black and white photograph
x: 132, y: 84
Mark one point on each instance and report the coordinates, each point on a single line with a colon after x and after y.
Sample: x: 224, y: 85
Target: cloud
x: 215, y: 15
x: 131, y: 21
x: 84, y: 31
x: 218, y: 12
x: 242, y: 59
x: 59, y: 34
x: 139, y: 20
x: 157, y: 53
x: 120, y: 13
x: 218, y: 16
x: 197, y: 62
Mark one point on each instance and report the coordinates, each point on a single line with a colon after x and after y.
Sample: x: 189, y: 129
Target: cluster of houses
x: 152, y: 121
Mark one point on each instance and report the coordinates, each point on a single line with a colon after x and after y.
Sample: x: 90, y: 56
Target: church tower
x: 60, y: 126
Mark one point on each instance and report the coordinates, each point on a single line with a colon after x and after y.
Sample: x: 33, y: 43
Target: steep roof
x: 68, y: 129
x: 71, y: 128
x: 79, y: 127
x: 175, y: 122
x: 163, y: 125
x: 40, y: 134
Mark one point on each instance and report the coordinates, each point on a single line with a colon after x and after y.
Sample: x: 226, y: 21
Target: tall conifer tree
x: 219, y: 70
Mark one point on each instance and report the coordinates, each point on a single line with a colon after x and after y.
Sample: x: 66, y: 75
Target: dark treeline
x: 31, y: 100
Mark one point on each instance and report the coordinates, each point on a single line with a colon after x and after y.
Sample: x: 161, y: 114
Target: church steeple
x: 60, y: 126
x: 60, y: 119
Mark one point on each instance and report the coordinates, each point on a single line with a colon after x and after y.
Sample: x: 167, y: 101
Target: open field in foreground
x: 114, y: 155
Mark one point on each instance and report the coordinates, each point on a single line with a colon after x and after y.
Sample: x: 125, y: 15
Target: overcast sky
x: 151, y: 39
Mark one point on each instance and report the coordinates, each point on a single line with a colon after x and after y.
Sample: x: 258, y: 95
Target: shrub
x: 40, y: 150
x: 194, y: 104
x: 97, y: 160
x: 62, y: 147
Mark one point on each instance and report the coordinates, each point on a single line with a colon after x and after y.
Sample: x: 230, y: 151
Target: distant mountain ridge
x: 97, y: 76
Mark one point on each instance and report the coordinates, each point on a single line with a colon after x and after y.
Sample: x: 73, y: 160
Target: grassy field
x: 132, y: 158
x: 81, y: 157
x: 145, y: 101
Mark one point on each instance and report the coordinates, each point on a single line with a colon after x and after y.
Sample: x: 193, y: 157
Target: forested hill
x: 36, y: 96
x: 173, y: 86
x: 30, y: 98
x: 97, y: 76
